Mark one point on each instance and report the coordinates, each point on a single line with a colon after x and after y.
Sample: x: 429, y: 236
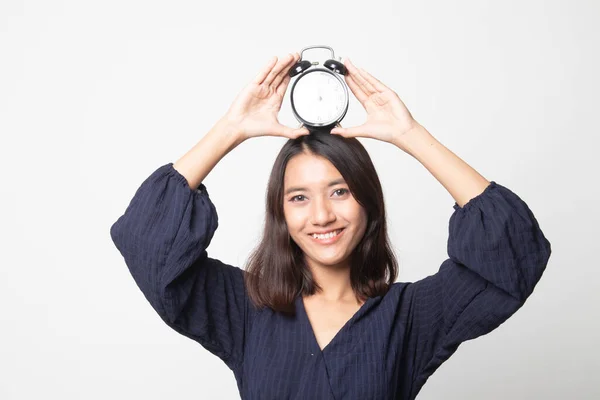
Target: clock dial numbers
x: 319, y: 97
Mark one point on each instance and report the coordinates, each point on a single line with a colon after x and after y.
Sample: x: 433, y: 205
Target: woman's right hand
x: 254, y: 111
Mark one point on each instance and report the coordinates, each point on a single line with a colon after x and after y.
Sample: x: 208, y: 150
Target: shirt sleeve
x: 163, y: 236
x: 497, y: 254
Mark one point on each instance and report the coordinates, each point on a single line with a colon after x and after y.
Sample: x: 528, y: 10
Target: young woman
x: 316, y: 313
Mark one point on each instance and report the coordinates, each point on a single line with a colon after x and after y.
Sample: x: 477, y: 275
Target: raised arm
x: 197, y: 163
x: 163, y: 236
x: 253, y: 113
x: 459, y: 178
x: 497, y: 255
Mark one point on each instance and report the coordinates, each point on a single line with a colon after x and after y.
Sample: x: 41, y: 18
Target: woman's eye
x: 300, y: 197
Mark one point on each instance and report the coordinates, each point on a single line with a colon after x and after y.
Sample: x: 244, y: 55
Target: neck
x: 334, y: 282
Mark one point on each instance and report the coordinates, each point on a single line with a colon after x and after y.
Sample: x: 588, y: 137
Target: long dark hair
x: 276, y: 269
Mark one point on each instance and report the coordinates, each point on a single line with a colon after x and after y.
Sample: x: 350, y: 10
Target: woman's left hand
x: 388, y: 119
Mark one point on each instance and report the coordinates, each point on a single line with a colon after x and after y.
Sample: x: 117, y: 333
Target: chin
x: 332, y: 261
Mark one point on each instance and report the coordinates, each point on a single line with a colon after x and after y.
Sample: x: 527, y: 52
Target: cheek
x: 354, y: 213
x: 294, y: 220
x: 359, y: 219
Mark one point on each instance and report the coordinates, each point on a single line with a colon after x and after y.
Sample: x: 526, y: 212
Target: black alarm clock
x: 319, y: 96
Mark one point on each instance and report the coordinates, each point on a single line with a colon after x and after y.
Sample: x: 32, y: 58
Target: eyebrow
x: 299, y: 189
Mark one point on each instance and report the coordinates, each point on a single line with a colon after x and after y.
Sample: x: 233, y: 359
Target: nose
x: 321, y: 212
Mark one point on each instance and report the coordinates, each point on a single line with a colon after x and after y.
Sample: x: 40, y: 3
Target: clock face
x: 319, y: 97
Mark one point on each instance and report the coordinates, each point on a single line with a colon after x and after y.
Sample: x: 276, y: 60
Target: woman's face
x: 317, y: 200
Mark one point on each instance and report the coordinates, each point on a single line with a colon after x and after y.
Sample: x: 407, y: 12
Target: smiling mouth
x: 327, y: 236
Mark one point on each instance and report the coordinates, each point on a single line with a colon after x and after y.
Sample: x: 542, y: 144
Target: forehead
x: 309, y: 169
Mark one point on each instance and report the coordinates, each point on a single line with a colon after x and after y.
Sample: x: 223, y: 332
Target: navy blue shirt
x: 388, y: 348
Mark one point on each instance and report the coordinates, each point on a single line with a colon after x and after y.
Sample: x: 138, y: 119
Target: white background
x: 94, y: 96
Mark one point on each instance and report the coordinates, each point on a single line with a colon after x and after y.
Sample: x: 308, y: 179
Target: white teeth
x: 327, y: 235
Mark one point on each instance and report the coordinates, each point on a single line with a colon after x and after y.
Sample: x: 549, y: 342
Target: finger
x: 279, y: 67
x: 265, y: 71
x: 360, y: 80
x: 291, y: 133
x: 349, y: 132
x: 358, y: 92
x: 283, y: 73
x: 283, y: 85
x: 380, y: 87
x: 364, y: 83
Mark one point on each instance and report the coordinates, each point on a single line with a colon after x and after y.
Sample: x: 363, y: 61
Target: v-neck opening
x: 340, y: 331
